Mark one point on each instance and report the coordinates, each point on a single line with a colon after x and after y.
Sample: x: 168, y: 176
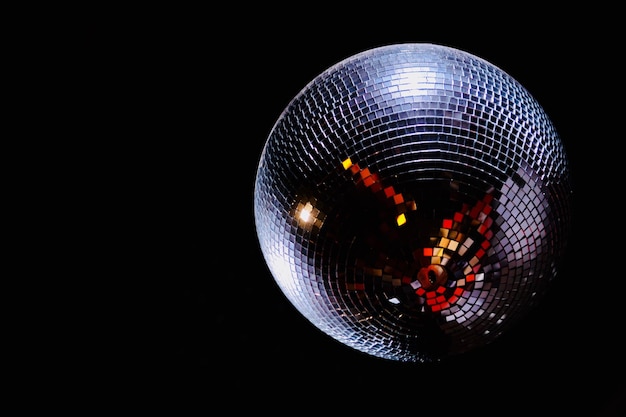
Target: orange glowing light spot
x: 389, y: 191
x: 458, y: 291
x: 365, y: 173
x: 447, y: 223
x: 347, y: 163
x: 368, y: 181
x: 428, y: 251
x: 401, y: 219
x: 470, y: 278
x: 398, y: 199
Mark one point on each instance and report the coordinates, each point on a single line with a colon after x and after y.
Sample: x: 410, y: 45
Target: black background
x: 203, y: 90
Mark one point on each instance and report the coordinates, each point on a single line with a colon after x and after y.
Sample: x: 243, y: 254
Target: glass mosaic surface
x: 413, y: 202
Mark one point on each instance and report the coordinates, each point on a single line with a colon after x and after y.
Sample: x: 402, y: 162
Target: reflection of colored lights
x: 372, y: 181
x: 462, y: 237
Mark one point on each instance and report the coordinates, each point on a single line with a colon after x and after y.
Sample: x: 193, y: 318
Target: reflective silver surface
x: 413, y: 202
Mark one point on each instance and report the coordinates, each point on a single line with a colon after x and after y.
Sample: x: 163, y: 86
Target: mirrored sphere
x: 413, y: 202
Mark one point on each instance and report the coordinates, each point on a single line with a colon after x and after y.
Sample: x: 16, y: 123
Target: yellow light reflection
x: 305, y: 213
x: 309, y: 216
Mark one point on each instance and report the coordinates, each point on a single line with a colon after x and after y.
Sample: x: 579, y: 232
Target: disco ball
x: 413, y: 202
